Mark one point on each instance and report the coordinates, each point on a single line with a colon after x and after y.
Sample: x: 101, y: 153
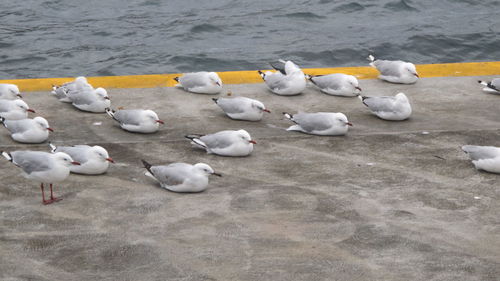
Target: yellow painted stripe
x: 247, y: 77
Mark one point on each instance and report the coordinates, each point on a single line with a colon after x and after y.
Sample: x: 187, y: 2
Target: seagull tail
x: 147, y: 165
x: 111, y: 113
x: 289, y: 117
x: 371, y: 58
x: 7, y: 155
x: 195, y: 140
x: 215, y: 99
x: 53, y: 148
x: 262, y: 74
x: 2, y: 120
x: 176, y: 79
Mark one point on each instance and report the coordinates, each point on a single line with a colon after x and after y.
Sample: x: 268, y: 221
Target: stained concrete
x: 385, y: 202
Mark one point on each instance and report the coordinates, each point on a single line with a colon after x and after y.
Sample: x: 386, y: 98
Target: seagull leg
x: 43, y: 195
x: 52, y: 198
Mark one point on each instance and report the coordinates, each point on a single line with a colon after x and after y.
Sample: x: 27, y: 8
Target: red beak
x: 30, y: 110
x: 358, y: 88
x: 110, y: 160
x: 349, y: 124
x: 106, y: 98
x: 50, y: 129
x: 252, y: 141
x: 266, y: 110
x: 75, y: 163
x: 161, y: 122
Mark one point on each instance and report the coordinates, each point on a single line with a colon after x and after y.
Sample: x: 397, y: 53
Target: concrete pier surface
x: 389, y: 201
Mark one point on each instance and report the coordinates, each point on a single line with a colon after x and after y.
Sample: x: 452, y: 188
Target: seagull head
x: 410, y: 67
x: 13, y: 91
x: 102, y: 93
x: 342, y: 119
x: 260, y: 106
x: 354, y: 83
x: 214, y: 77
x: 23, y: 106
x: 207, y: 170
x: 102, y: 154
x: 245, y: 136
x: 42, y: 122
x: 153, y: 117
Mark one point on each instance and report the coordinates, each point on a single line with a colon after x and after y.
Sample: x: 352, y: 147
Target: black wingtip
x: 176, y: 79
x: 146, y: 165
x: 2, y: 120
x: 215, y: 99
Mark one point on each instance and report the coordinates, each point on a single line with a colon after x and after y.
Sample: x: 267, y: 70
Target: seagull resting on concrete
x: 289, y: 80
x: 395, y: 71
x: 34, y: 130
x: 225, y: 143
x: 136, y: 120
x: 241, y: 108
x: 14, y: 109
x: 319, y: 123
x: 200, y: 82
x: 486, y: 158
x: 94, y: 160
x: 337, y: 84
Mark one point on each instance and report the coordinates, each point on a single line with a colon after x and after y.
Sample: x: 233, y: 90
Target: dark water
x: 60, y: 38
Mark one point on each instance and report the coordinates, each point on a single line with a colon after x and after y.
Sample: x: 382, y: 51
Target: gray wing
x: 331, y: 81
x: 195, y: 79
x: 82, y: 97
x: 388, y: 68
x: 276, y: 81
x: 495, y: 84
x: 129, y: 117
x: 173, y: 174
x: 31, y: 161
x: 77, y: 152
x: 18, y: 126
x: 481, y: 152
x: 278, y: 65
x: 313, y: 121
x: 234, y: 105
x: 380, y: 104
x: 219, y: 140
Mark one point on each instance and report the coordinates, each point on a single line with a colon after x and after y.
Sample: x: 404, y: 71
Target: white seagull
x: 241, y: 108
x: 9, y: 92
x: 34, y: 130
x: 94, y: 160
x: 78, y: 85
x: 486, y: 158
x: 14, y: 109
x: 394, y: 108
x: 42, y: 167
x: 289, y: 80
x: 91, y: 100
x: 136, y: 120
x: 225, y: 143
x: 181, y: 177
x: 395, y: 71
x: 319, y: 123
x: 491, y: 87
x: 337, y: 84
x: 201, y: 82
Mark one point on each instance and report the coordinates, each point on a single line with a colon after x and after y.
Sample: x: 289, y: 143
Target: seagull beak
x: 76, y: 163
x: 161, y: 122
x: 416, y: 75
x: 19, y: 95
x: 266, y: 110
x: 216, y: 174
x: 30, y: 110
x: 218, y: 84
x: 50, y: 129
x: 349, y: 124
x: 252, y: 141
x: 109, y: 159
x: 106, y: 98
x: 358, y: 88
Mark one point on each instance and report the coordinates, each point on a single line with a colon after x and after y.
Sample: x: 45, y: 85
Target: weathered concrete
x: 385, y: 202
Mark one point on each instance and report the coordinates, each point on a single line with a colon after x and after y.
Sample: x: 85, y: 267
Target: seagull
x: 289, y: 80
x: 319, y: 123
x: 78, y: 85
x: 9, y: 92
x: 201, y: 82
x: 491, y: 87
x: 241, y: 108
x: 136, y: 120
x: 486, y: 158
x: 395, y: 71
x: 394, y: 108
x: 181, y: 177
x: 91, y: 100
x: 337, y: 84
x: 94, y: 160
x: 225, y: 143
x: 14, y: 109
x: 34, y: 130
x: 42, y: 167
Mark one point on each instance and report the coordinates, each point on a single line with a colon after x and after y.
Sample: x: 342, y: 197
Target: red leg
x: 43, y: 194
x: 52, y: 198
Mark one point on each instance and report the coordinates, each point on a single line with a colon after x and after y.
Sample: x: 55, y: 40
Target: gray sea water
x: 60, y: 38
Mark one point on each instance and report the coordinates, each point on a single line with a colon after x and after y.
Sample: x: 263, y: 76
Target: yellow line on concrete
x: 247, y: 77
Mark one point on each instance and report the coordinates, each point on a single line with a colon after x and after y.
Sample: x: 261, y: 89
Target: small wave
x: 205, y: 28
x: 401, y: 5
x: 349, y: 8
x: 302, y: 15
